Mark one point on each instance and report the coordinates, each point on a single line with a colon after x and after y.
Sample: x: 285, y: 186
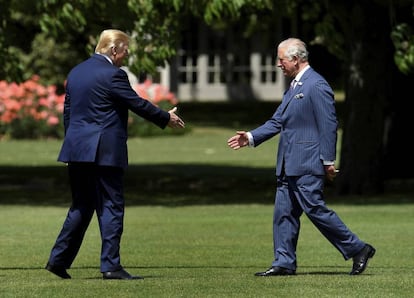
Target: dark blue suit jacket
x: 307, y: 123
x: 98, y: 97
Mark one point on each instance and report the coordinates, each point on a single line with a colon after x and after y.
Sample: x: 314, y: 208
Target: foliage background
x: 361, y: 34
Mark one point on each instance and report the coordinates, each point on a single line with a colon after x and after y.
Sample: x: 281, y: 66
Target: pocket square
x: 299, y: 95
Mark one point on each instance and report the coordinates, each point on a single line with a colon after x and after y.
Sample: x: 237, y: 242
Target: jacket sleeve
x: 125, y: 95
x: 324, y: 109
x: 268, y: 129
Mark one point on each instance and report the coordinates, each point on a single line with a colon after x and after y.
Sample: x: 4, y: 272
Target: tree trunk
x: 367, y: 86
x: 398, y: 154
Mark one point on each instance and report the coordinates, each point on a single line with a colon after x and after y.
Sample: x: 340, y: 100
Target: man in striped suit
x: 307, y: 124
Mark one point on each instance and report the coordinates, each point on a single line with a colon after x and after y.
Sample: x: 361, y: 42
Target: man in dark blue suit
x: 98, y: 98
x: 307, y: 124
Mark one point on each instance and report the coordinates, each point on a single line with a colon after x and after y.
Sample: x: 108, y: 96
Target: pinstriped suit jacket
x: 307, y: 124
x: 98, y: 97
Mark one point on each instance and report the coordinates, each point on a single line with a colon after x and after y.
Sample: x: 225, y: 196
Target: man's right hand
x: 239, y: 140
x: 175, y: 121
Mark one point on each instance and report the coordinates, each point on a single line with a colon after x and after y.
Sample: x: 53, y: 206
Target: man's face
x: 288, y: 67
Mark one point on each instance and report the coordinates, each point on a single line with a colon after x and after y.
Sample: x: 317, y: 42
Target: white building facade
x: 224, y: 66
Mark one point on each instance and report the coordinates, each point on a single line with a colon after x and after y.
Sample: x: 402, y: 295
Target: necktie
x: 292, y: 84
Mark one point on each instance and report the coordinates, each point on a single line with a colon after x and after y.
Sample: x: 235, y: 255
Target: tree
x: 59, y: 32
x: 9, y: 57
x: 372, y: 38
x: 360, y: 33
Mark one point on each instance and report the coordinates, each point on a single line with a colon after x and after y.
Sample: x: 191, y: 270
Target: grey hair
x: 294, y: 47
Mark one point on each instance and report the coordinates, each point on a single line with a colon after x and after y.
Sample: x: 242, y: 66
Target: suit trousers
x: 94, y: 188
x: 298, y: 194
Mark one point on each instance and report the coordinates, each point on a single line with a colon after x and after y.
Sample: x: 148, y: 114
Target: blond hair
x: 111, y: 38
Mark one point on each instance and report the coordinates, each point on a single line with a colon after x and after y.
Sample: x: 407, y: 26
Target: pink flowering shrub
x: 160, y: 96
x: 154, y: 92
x: 30, y: 110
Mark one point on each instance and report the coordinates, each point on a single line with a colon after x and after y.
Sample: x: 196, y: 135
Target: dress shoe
x: 58, y: 270
x: 361, y: 259
x: 273, y: 271
x: 120, y: 274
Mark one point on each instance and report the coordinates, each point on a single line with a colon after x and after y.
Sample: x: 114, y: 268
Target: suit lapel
x: 289, y: 95
x: 287, y: 98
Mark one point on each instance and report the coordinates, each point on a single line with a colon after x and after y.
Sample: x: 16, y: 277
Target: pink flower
x: 155, y: 92
x: 30, y: 102
x: 53, y: 120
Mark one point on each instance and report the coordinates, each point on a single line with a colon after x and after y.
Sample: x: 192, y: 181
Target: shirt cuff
x: 250, y: 138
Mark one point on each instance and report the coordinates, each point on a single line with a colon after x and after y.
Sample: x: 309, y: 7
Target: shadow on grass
x: 165, y: 185
x: 246, y: 269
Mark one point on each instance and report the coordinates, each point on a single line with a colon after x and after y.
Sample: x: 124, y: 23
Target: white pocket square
x: 299, y: 95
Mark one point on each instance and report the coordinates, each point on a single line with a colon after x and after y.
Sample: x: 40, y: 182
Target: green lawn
x: 207, y: 251
x: 197, y: 224
x: 190, y: 169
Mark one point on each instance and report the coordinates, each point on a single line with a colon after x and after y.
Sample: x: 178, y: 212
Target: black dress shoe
x: 57, y: 270
x: 120, y: 274
x: 273, y: 271
x: 361, y: 259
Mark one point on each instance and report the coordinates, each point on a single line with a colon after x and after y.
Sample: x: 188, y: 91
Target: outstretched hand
x: 239, y: 140
x: 175, y: 121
